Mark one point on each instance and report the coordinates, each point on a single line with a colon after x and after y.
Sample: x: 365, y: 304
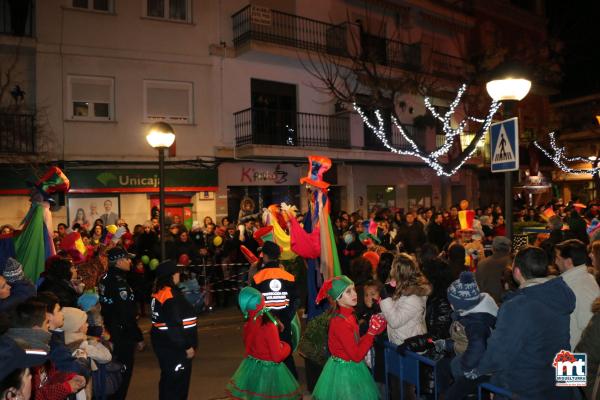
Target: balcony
x: 17, y: 133
x: 258, y: 126
x: 465, y: 140
x: 448, y: 66
x: 16, y: 17
x: 392, y: 53
x: 266, y: 25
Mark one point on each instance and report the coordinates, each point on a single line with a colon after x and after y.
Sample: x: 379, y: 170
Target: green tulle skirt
x: 342, y: 380
x: 259, y: 379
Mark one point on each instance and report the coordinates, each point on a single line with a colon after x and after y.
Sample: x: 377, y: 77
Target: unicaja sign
x: 571, y: 368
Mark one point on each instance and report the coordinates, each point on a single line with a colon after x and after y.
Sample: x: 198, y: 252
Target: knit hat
x: 74, y: 320
x: 464, y: 293
x: 13, y: 271
x: 88, y: 300
x: 334, y: 288
x: 250, y: 299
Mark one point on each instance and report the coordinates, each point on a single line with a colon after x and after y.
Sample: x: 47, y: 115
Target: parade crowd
x: 424, y: 280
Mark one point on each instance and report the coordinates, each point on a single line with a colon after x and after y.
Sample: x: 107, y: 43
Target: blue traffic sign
x: 505, y: 145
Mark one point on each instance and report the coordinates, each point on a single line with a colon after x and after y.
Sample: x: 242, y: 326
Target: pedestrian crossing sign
x: 505, y: 145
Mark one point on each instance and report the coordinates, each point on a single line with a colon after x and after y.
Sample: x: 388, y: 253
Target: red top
x: 262, y: 340
x: 344, y: 341
x: 50, y: 384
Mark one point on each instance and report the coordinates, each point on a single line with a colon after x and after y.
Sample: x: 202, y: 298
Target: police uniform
x: 278, y: 287
x: 119, y: 312
x: 173, y: 332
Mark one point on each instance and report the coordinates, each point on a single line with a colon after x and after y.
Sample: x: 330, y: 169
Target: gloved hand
x: 416, y: 344
x: 377, y: 325
x: 388, y: 291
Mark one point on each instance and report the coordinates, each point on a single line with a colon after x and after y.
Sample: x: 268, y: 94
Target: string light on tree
x: 558, y: 157
x: 432, y: 159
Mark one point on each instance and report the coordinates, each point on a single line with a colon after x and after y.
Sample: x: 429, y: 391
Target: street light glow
x: 508, y: 89
x: 592, y: 158
x: 161, y: 135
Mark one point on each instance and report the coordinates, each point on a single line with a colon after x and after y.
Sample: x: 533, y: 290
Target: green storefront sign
x: 119, y: 180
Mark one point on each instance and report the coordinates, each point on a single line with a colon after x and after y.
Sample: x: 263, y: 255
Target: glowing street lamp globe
x: 160, y: 135
x: 508, y: 89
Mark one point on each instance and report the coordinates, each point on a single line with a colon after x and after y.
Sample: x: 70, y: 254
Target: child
x: 75, y: 328
x: 405, y: 310
x: 345, y: 375
x: 262, y: 374
x: 474, y: 318
x: 368, y: 304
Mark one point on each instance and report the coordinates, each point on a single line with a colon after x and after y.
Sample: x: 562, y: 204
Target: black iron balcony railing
x: 17, y: 133
x: 16, y: 17
x: 465, y: 140
x: 447, y: 65
x: 390, y: 52
x: 252, y: 23
x: 395, y: 138
x: 290, y: 128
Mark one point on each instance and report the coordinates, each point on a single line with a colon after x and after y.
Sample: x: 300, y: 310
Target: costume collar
x: 345, y: 311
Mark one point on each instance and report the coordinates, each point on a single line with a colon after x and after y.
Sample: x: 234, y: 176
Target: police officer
x: 278, y: 287
x: 174, y: 334
x: 119, y: 312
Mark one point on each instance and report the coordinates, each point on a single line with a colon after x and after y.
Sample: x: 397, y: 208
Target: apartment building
x: 231, y: 77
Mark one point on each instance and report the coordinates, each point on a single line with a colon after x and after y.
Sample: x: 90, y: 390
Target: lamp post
x: 161, y: 136
x: 509, y: 89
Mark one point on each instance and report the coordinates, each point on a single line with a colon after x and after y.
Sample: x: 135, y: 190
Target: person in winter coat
x: 456, y: 259
x: 436, y: 233
x: 30, y: 330
x: 262, y: 374
x: 474, y: 318
x: 570, y: 258
x: 412, y: 234
x: 18, y: 287
x: 490, y: 270
x: 75, y: 328
x: 59, y: 275
x: 438, y: 311
x: 404, y: 311
x: 531, y: 328
x: 590, y: 344
x: 174, y: 333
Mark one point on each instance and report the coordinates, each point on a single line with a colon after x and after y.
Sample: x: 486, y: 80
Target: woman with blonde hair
x: 404, y: 311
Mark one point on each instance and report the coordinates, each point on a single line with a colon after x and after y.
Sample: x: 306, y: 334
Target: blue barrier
x: 406, y: 369
x: 488, y: 387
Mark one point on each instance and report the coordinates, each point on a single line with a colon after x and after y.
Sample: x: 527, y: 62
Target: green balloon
x: 154, y: 264
x: 145, y: 260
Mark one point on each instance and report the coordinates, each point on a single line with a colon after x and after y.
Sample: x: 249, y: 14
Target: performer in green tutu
x: 262, y: 375
x: 345, y: 375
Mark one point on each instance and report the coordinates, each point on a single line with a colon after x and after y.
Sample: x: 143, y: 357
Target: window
x: 168, y: 101
x: 91, y: 98
x: 176, y: 10
x: 96, y: 5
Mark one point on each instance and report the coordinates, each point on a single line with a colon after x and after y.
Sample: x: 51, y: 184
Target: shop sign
x: 258, y: 174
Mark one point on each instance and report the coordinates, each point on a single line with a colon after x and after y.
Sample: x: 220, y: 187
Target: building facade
x: 231, y: 77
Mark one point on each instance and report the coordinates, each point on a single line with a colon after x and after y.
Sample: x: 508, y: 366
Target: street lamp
x: 161, y: 136
x: 510, y: 88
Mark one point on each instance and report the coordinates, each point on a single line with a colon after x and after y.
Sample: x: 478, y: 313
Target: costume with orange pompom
x: 345, y: 375
x: 262, y: 374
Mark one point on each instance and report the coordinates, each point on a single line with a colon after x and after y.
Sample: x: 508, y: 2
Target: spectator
x: 577, y: 227
x: 17, y: 288
x: 30, y: 329
x: 456, y: 259
x: 412, y: 234
x: 438, y: 310
x: 490, y: 270
x: 58, y: 278
x: 500, y: 227
x: 75, y: 328
x: 571, y: 256
x: 436, y: 234
x: 590, y: 344
x: 474, y: 319
x: 557, y: 235
x: 15, y: 369
x: 595, y: 259
x: 531, y: 328
x: 6, y: 229
x: 404, y: 311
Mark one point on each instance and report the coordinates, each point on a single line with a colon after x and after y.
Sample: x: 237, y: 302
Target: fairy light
x: 432, y: 159
x: 559, y: 158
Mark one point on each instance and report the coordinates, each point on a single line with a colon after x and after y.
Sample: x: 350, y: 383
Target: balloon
x: 154, y: 264
x: 112, y: 229
x: 348, y: 238
x: 217, y: 241
x: 184, y: 260
x: 145, y: 259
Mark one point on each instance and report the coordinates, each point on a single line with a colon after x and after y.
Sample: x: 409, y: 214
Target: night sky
x: 576, y: 24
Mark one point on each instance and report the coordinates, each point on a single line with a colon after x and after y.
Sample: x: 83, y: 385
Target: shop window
x: 168, y: 101
x: 175, y: 10
x: 91, y: 98
x: 419, y: 196
x: 381, y: 196
x: 94, y: 5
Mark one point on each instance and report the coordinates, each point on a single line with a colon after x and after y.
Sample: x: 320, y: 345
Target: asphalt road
x: 220, y: 352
